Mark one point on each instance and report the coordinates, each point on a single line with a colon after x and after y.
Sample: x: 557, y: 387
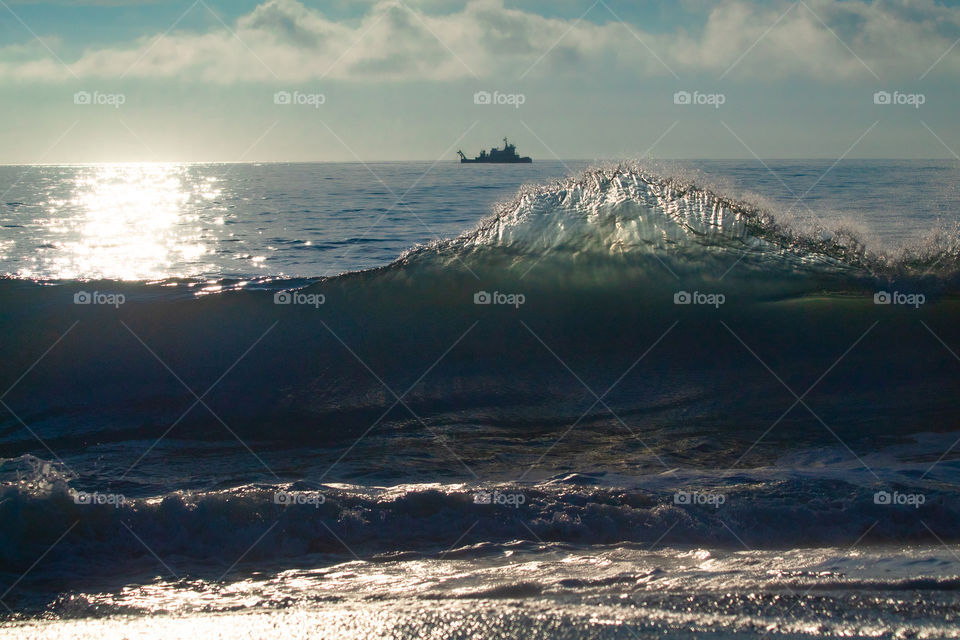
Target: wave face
x: 582, y: 278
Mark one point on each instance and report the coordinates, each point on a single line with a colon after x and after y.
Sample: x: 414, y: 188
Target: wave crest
x: 628, y: 212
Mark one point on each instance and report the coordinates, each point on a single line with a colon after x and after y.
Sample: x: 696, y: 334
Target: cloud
x: 85, y: 3
x: 283, y: 40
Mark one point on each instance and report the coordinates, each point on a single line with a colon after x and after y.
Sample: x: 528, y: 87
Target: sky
x: 349, y: 80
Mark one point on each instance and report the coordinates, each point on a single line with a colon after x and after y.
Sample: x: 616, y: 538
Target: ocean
x: 426, y: 400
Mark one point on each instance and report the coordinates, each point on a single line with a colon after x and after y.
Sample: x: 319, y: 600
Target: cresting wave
x: 628, y: 213
x: 601, y: 269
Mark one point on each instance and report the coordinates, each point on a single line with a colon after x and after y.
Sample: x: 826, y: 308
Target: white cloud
x: 286, y: 41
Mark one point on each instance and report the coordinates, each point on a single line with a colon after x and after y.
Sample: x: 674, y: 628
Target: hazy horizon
x: 454, y: 161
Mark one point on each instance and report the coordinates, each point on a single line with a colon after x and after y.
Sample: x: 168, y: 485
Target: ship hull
x: 513, y: 161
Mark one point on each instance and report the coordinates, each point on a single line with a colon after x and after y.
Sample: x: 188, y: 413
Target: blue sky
x: 204, y: 80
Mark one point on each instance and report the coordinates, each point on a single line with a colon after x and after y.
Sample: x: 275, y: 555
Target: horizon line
x: 434, y: 161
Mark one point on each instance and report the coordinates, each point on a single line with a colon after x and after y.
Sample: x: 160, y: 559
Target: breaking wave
x: 584, y: 275
x: 292, y: 522
x: 630, y: 214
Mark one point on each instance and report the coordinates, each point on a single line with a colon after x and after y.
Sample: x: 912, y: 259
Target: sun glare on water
x: 129, y: 222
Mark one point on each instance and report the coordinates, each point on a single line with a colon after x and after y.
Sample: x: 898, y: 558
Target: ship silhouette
x: 506, y: 155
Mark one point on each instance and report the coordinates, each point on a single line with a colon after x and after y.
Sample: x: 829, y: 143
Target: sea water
x: 569, y: 399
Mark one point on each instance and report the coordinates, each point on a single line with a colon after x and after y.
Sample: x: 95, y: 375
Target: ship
x: 507, y: 155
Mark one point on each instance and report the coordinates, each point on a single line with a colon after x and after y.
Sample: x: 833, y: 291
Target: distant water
x: 554, y: 400
x: 147, y: 222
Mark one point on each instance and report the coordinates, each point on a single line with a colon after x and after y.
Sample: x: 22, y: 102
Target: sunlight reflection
x: 128, y: 222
